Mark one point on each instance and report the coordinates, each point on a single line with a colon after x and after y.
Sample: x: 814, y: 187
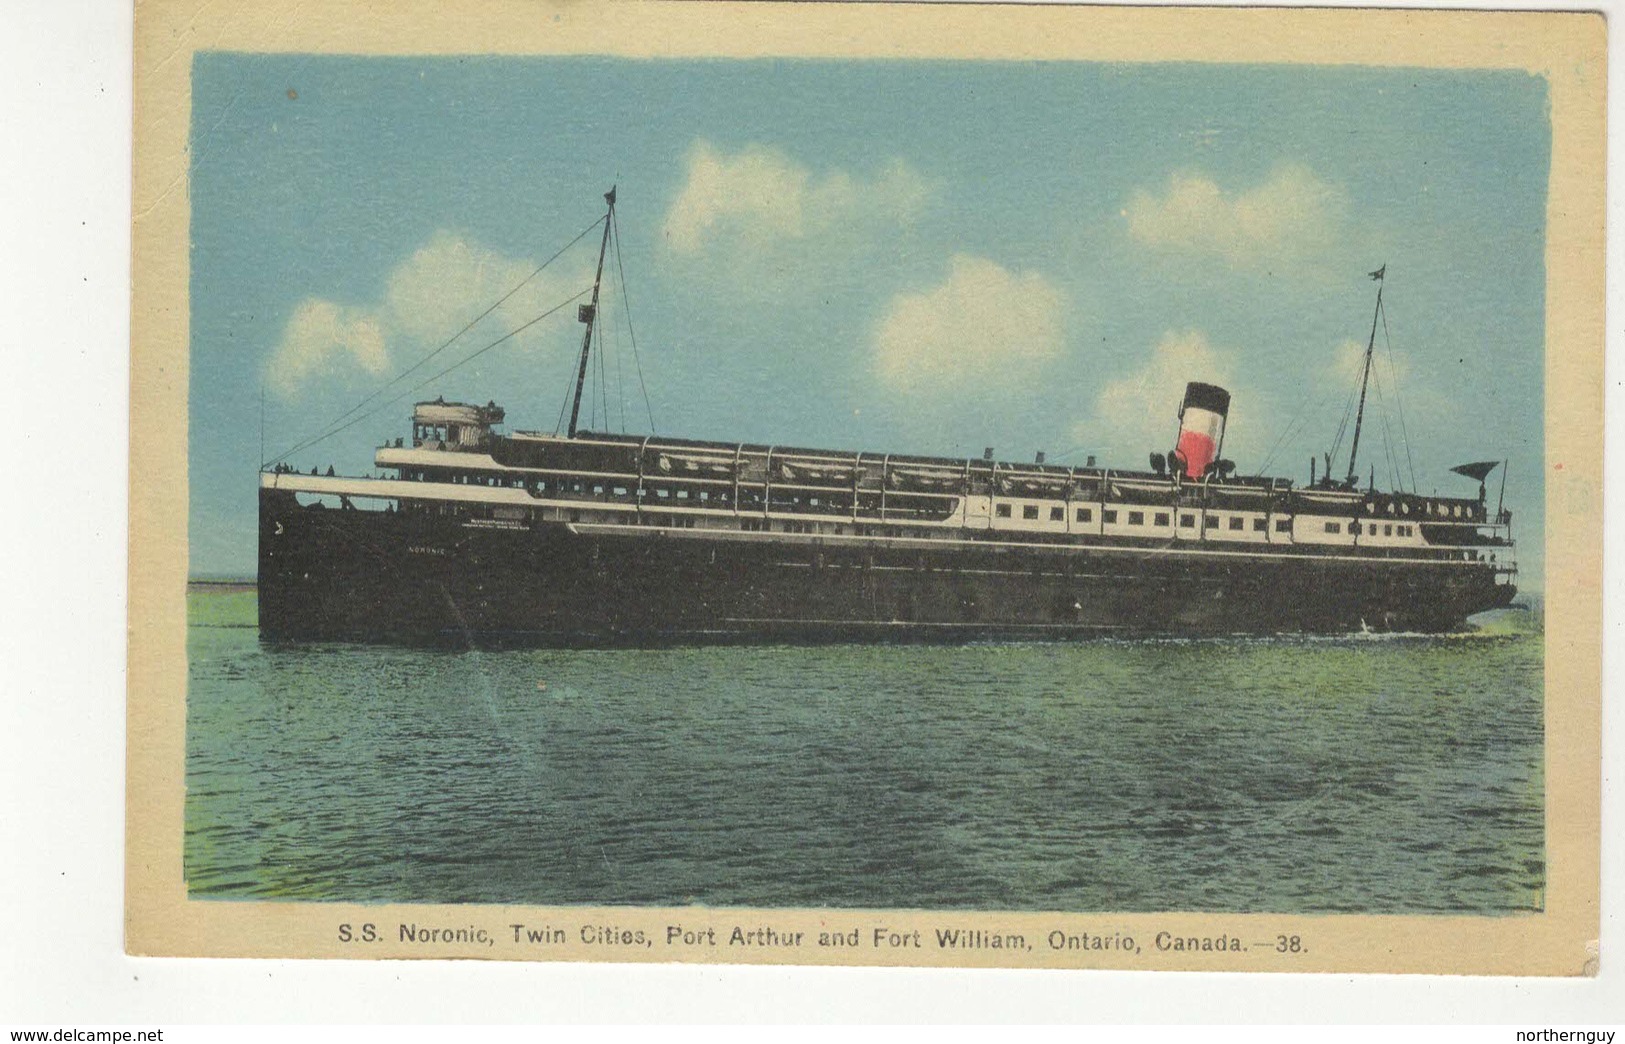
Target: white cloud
x: 1397, y: 396
x: 757, y: 193
x: 1348, y: 359
x: 1388, y: 365
x: 451, y: 279
x: 759, y: 213
x: 1290, y: 216
x: 429, y: 296
x: 982, y: 322
x: 321, y: 339
x: 1139, y: 413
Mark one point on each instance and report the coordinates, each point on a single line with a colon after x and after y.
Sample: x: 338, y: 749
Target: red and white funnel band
x: 1199, y: 436
x: 1201, y: 427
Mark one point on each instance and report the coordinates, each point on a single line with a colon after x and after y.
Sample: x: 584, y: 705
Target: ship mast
x: 1365, y: 374
x: 589, y: 313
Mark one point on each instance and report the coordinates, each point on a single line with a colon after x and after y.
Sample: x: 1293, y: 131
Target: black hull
x: 350, y: 575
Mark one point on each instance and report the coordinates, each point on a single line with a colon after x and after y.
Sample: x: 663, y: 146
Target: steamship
x: 580, y: 538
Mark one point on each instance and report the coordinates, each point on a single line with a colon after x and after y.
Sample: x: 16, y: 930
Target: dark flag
x: 1378, y: 273
x: 1479, y: 471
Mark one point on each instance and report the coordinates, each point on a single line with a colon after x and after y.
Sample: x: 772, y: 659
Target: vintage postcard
x: 1033, y: 486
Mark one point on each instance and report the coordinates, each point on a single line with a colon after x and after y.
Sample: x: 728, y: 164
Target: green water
x: 1382, y: 775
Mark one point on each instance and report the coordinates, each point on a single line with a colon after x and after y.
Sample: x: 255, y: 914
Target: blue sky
x: 919, y: 257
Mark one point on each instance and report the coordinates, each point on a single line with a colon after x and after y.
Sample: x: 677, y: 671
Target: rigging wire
x: 461, y: 362
x: 1390, y: 462
x: 1393, y: 370
x: 620, y: 378
x: 1269, y: 455
x: 1304, y: 414
x: 1397, y: 482
x: 592, y: 386
x: 1342, y: 428
x: 1378, y: 414
x: 564, y: 407
x: 1292, y: 431
x: 331, y: 429
x: 626, y: 303
x: 603, y: 376
x: 1309, y: 419
x: 610, y: 349
x: 602, y: 392
x: 603, y: 385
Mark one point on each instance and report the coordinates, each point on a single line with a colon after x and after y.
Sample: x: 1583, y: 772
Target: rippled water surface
x: 1379, y: 775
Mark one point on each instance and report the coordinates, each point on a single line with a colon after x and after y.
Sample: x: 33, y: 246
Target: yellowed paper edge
x: 1567, y: 49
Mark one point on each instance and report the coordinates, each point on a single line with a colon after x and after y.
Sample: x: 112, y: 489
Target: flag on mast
x: 1377, y: 275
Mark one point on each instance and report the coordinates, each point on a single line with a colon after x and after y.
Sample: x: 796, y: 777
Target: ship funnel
x: 1201, y: 428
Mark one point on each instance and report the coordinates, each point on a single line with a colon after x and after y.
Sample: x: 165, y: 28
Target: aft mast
x: 1365, y: 374
x: 588, y: 313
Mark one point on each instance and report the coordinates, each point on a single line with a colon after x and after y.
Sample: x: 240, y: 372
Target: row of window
x: 1110, y: 516
x: 1029, y: 512
x: 1431, y: 508
x: 1187, y: 520
x: 1370, y: 529
x: 749, y: 499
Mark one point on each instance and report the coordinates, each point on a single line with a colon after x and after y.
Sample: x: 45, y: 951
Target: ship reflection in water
x: 1372, y: 773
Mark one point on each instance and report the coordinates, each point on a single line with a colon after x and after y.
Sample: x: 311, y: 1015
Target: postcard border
x: 1568, y: 49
